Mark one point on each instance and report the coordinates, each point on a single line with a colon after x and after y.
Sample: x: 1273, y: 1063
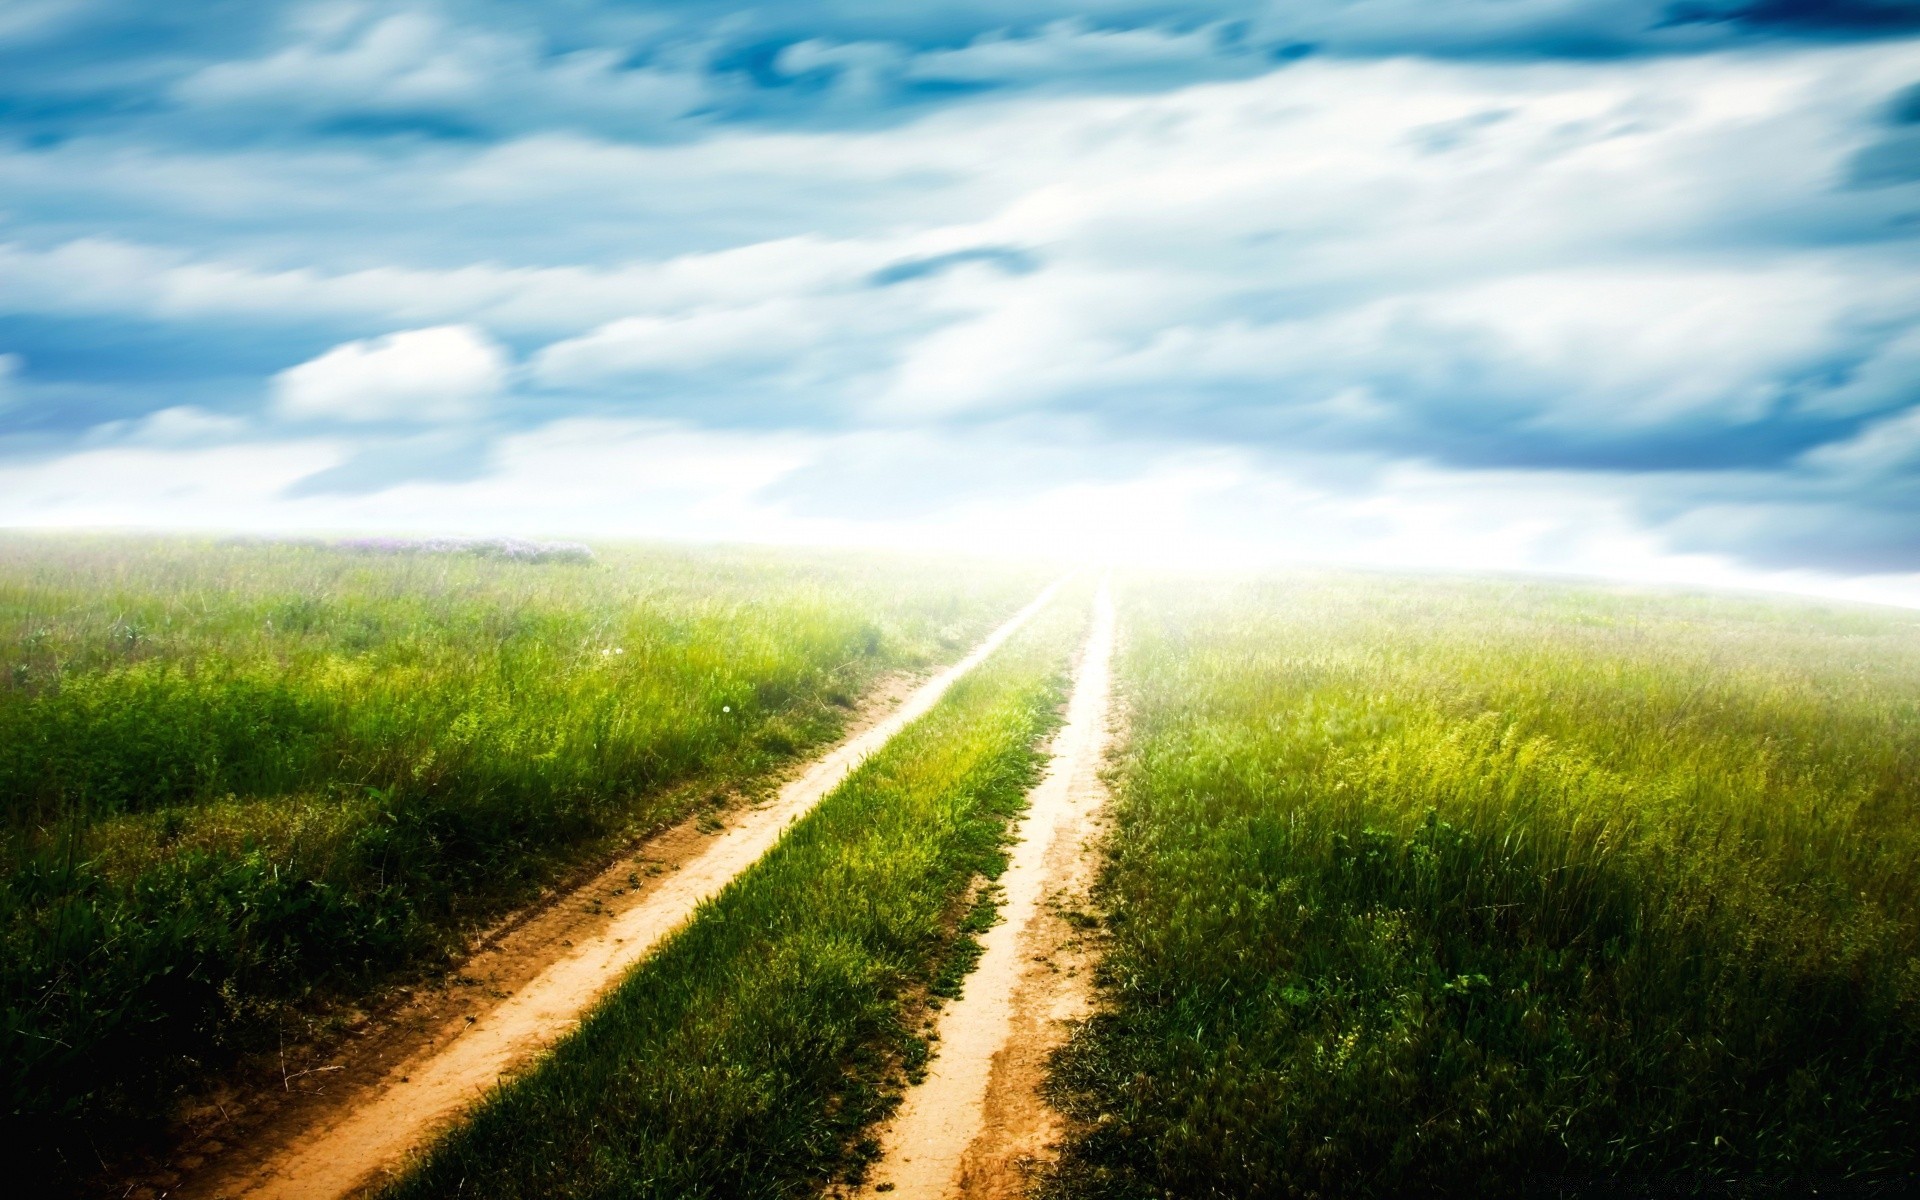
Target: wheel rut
x: 977, y: 1126
x: 356, y: 1141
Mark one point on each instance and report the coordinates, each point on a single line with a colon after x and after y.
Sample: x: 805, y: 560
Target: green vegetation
x: 1435, y: 886
x: 1415, y: 886
x: 746, y: 1055
x: 236, y: 778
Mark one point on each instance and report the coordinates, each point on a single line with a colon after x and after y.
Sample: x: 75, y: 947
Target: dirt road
x: 348, y: 1145
x: 977, y: 1124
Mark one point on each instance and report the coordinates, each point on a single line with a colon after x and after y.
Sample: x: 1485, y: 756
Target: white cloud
x: 182, y: 425
x: 446, y: 373
x: 400, y: 60
x: 738, y: 338
x: 221, y: 487
x: 1619, y: 348
x: 420, y: 65
x: 1398, y: 261
x: 97, y: 276
x: 1323, y: 177
x: 1066, y: 50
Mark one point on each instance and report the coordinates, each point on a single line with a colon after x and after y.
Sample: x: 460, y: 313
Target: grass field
x: 1414, y: 886
x: 1452, y: 887
x: 746, y: 1057
x: 237, y: 777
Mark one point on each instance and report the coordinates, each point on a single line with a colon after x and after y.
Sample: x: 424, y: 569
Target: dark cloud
x: 1860, y: 17
x: 1905, y: 108
x: 263, y: 71
x: 1890, y: 161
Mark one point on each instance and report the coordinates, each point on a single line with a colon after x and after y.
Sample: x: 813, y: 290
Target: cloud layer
x: 1581, y: 286
x: 418, y: 376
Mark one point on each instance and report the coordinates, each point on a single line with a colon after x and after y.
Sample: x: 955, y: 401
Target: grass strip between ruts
x: 746, y: 1057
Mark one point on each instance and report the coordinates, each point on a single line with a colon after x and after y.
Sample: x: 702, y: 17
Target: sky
x: 1598, y: 287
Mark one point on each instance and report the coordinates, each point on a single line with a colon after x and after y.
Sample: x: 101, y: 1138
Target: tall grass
x: 747, y: 1055
x: 235, y: 777
x: 1451, y: 887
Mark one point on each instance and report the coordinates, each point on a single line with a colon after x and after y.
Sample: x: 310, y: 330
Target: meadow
x: 1484, y: 887
x: 242, y: 779
x: 1413, y: 885
x: 751, y: 1053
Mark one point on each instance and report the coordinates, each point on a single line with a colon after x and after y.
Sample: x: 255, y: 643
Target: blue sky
x: 1617, y: 288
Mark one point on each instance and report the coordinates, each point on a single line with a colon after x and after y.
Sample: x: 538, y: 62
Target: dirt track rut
x: 358, y: 1142
x: 977, y: 1125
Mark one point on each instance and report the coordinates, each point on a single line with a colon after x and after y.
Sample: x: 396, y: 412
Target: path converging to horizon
x: 351, y: 1145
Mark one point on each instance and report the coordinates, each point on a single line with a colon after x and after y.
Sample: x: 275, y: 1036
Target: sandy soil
x: 356, y: 1118
x: 978, y: 1126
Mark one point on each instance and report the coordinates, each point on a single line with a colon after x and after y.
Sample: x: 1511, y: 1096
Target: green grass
x: 237, y: 778
x: 1449, y: 887
x: 748, y: 1054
